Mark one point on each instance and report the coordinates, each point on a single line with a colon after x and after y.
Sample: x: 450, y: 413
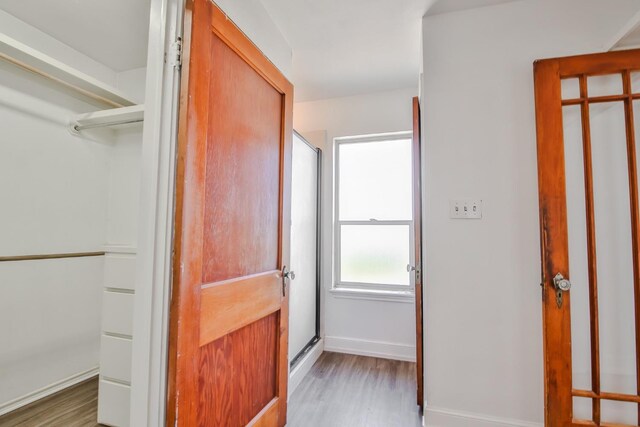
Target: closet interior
x: 70, y: 153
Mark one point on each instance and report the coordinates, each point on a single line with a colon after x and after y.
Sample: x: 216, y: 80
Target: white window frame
x: 368, y: 290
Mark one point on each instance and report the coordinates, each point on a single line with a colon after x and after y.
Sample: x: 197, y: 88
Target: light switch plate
x: 465, y: 209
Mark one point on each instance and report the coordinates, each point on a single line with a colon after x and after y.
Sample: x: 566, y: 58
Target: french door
x: 588, y: 110
x: 229, y: 310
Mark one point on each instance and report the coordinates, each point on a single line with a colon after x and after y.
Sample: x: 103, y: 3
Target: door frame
x: 153, y: 269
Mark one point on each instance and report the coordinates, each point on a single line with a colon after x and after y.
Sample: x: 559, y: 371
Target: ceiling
x: 630, y: 40
x: 446, y: 6
x: 112, y: 32
x: 349, y: 47
x: 340, y: 47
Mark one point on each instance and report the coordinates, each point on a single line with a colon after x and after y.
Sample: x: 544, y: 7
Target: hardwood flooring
x: 75, y: 406
x: 341, y: 390
x: 354, y: 391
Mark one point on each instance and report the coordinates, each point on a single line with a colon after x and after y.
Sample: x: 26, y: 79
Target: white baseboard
x: 385, y: 350
x: 14, y: 404
x: 303, y: 367
x: 439, y: 417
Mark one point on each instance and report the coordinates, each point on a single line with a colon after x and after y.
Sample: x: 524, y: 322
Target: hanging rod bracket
x: 113, y: 117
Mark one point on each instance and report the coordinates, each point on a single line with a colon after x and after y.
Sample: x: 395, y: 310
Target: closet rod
x: 50, y: 256
x: 100, y: 125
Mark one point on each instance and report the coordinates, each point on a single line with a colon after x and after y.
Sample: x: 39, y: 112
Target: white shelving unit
x: 37, y: 62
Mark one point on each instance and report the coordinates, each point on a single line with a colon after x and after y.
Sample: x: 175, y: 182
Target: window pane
x: 374, y: 254
x: 375, y: 180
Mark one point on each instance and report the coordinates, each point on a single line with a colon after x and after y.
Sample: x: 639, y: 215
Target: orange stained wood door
x: 580, y: 136
x: 417, y: 227
x: 228, y: 362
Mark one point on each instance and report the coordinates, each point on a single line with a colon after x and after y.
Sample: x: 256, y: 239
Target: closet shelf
x: 37, y: 62
x: 116, y: 116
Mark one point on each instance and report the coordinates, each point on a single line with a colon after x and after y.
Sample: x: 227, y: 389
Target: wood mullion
x: 635, y: 214
x: 599, y: 99
x: 619, y: 397
x: 591, y: 249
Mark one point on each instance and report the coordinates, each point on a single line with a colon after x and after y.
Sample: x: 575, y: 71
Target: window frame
x: 361, y: 289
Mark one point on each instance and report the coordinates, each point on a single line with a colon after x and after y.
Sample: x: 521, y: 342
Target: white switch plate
x: 465, y: 209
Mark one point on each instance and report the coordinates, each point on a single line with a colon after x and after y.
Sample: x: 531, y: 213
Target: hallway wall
x: 483, y: 326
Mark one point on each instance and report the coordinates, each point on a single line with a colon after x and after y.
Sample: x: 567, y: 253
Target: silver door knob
x: 561, y: 285
x: 410, y: 268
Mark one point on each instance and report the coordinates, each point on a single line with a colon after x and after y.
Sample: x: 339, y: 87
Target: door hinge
x: 173, y: 57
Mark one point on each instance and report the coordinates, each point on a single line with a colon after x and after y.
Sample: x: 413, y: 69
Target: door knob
x: 410, y: 268
x: 288, y: 274
x: 561, y: 285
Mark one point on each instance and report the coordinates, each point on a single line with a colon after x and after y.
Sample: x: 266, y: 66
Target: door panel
x: 589, y: 213
x: 242, y: 206
x: 231, y: 394
x: 229, y: 310
x: 417, y: 227
x: 304, y: 297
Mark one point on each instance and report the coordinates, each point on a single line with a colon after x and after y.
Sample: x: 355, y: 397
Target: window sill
x: 374, y: 295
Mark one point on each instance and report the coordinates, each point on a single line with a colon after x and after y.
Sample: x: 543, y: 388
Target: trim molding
x: 120, y: 249
x: 440, y: 417
x: 629, y: 26
x: 19, y: 402
x: 302, y: 368
x: 384, y: 350
x: 372, y: 295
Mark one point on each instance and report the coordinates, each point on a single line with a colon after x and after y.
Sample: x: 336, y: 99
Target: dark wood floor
x: 76, y: 406
x: 355, y: 391
x: 340, y: 391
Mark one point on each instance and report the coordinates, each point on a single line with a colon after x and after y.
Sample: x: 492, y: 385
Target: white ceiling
x: 630, y: 40
x: 445, y: 6
x: 340, y: 47
x: 349, y: 47
x: 113, y: 32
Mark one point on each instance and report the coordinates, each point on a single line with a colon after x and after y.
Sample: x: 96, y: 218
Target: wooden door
x: 417, y: 227
x: 590, y: 236
x: 229, y: 310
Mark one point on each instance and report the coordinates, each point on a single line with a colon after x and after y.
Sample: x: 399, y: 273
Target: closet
x: 70, y: 168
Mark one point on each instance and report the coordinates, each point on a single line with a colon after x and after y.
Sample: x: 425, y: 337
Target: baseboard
x: 438, y: 417
x: 305, y: 364
x: 385, y: 350
x: 14, y: 404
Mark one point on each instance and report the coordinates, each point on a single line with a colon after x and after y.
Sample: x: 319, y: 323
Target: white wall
x: 53, y: 186
x: 366, y: 326
x: 483, y: 338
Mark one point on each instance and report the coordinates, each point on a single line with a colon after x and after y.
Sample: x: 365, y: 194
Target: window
x: 374, y: 213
